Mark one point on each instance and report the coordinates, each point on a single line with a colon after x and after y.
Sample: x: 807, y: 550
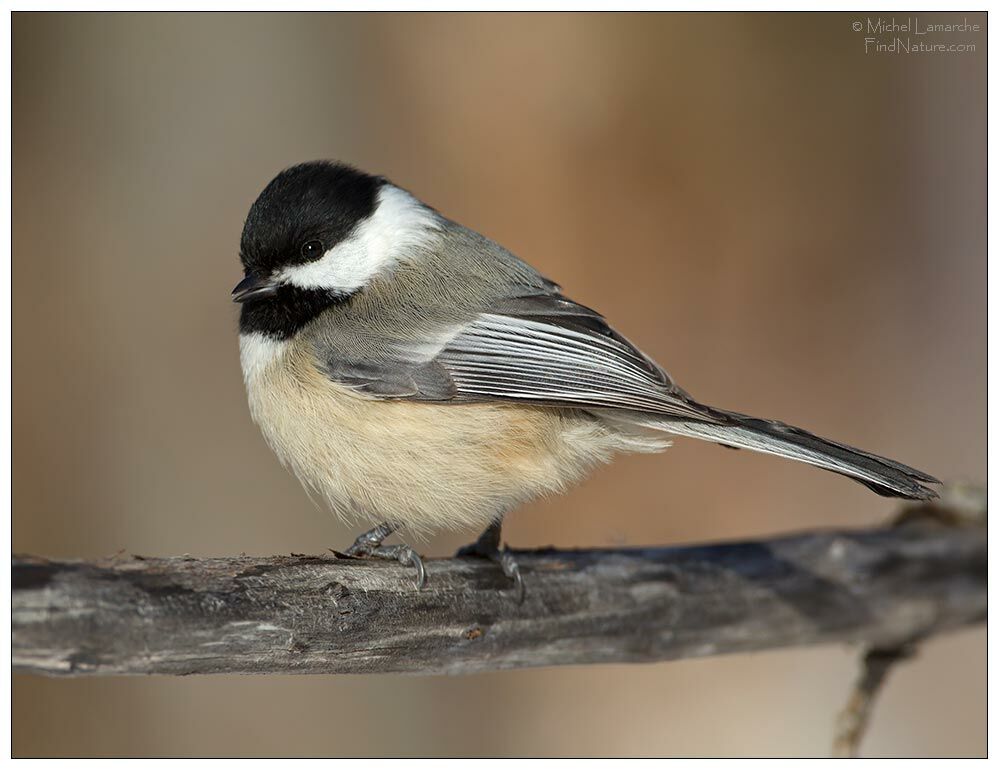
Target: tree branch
x: 322, y: 614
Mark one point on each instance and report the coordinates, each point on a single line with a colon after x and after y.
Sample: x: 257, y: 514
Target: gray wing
x: 541, y: 348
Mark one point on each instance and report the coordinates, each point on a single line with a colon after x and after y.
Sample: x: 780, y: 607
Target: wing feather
x: 537, y: 348
x: 550, y: 350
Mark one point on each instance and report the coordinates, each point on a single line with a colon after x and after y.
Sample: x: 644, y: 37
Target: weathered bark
x: 884, y: 588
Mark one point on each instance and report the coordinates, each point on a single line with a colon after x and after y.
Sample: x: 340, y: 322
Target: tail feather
x: 884, y: 476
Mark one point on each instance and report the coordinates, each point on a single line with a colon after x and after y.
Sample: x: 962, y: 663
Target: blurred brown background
x: 793, y: 228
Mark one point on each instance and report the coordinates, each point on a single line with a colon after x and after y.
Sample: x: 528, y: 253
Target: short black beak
x: 253, y: 287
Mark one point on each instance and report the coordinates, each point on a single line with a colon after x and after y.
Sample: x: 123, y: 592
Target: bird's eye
x: 312, y: 249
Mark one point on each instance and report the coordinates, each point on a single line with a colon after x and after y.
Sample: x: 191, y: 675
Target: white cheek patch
x: 257, y: 352
x: 398, y: 225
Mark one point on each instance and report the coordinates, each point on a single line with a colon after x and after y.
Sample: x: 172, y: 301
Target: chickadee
x: 412, y: 372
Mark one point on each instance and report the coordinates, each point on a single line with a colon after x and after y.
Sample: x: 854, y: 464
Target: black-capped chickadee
x: 415, y: 373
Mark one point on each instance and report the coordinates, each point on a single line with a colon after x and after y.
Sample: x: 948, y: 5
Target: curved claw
x: 512, y: 570
x: 411, y: 558
x: 488, y: 547
x: 369, y: 545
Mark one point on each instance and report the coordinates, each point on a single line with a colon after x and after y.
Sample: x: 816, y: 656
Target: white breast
x: 257, y: 352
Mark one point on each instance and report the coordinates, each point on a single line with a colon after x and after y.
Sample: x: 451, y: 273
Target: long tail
x: 884, y: 476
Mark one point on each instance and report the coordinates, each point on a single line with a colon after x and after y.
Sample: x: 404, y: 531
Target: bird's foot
x: 488, y: 547
x: 369, y: 546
